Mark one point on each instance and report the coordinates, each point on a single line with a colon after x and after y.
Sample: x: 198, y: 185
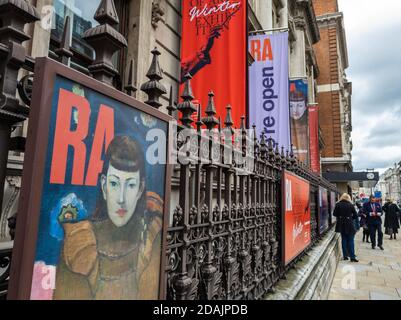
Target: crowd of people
x: 368, y: 217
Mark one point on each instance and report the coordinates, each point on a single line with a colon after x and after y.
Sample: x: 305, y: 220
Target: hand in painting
x: 202, y: 58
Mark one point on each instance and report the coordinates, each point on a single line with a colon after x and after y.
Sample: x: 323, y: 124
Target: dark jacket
x: 368, y: 208
x: 391, y: 218
x: 346, y: 214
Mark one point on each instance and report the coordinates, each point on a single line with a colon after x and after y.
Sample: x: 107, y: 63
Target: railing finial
x: 153, y: 88
x: 105, y: 40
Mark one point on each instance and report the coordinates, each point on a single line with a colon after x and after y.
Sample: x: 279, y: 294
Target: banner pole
x: 269, y: 30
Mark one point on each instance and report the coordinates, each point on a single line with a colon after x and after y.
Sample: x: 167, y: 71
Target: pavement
x: 377, y: 276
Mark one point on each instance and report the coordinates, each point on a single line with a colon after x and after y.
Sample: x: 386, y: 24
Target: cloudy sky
x: 374, y: 47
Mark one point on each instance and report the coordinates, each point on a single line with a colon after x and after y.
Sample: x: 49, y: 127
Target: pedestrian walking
x: 374, y: 212
x: 363, y: 223
x: 391, y: 220
x: 346, y: 216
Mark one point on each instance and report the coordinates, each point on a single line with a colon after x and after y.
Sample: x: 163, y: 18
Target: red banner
x: 214, y: 52
x: 314, y: 138
x: 297, y: 216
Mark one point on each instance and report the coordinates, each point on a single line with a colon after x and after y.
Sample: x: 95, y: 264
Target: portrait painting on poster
x: 94, y: 225
x: 299, y: 119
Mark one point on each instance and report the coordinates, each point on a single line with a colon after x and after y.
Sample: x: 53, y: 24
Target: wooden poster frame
x: 46, y: 72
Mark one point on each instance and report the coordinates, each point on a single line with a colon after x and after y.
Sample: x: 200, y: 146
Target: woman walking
x: 346, y: 215
x: 391, y: 222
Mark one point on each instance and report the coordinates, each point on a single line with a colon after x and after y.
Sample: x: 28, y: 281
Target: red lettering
x: 103, y: 136
x: 64, y: 138
x: 267, y: 50
x: 255, y: 49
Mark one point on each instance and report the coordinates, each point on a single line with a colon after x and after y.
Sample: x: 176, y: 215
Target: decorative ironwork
x: 25, y: 86
x: 130, y: 87
x: 105, y: 40
x: 64, y: 51
x: 153, y: 88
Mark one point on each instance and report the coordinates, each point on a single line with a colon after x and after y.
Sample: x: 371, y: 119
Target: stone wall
x: 312, y: 277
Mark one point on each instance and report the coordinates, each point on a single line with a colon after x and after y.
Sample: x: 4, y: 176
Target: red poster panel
x: 297, y: 216
x: 214, y: 52
x: 314, y: 138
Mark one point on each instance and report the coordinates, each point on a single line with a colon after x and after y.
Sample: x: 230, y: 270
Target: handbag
x: 388, y: 231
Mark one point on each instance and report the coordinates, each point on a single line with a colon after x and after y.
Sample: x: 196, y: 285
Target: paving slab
x: 377, y: 276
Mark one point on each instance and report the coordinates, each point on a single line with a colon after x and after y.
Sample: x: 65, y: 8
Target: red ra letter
x: 255, y: 49
x: 267, y: 50
x: 103, y: 136
x: 64, y: 137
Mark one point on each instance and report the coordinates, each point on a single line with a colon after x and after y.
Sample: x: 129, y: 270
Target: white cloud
x: 374, y: 48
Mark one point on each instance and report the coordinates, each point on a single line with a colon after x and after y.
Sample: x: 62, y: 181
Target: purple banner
x: 268, y: 87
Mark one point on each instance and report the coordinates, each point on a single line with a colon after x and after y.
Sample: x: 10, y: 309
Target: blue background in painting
x: 128, y: 121
x: 301, y: 85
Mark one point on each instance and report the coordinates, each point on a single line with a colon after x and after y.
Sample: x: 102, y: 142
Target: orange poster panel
x: 297, y: 216
x: 213, y: 52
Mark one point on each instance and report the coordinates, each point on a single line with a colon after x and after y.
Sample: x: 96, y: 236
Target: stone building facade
x: 334, y: 90
x: 390, y: 183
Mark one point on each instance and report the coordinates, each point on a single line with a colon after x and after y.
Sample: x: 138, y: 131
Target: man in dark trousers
x: 373, y: 211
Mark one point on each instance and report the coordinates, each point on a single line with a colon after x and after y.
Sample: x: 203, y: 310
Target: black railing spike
x: 186, y: 107
x: 153, y: 88
x: 107, y: 13
x: 63, y: 51
x: 243, y: 126
x: 277, y: 151
x: 199, y: 123
x: 171, y: 107
x: 105, y: 41
x: 210, y: 120
x: 130, y: 88
x: 270, y: 142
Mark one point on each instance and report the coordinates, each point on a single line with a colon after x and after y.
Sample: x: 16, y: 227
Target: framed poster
x: 296, y: 216
x: 323, y: 210
x: 95, y: 195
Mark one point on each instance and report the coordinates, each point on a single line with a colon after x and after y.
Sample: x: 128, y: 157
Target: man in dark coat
x: 346, y: 215
x: 374, y: 212
x: 391, y: 222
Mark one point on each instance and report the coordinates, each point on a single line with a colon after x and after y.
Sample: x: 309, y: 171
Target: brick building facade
x: 334, y: 90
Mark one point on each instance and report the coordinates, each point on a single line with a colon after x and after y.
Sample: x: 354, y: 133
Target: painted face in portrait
x: 297, y: 109
x: 121, y: 191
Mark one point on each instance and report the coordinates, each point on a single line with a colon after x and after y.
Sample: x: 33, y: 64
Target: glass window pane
x: 81, y: 16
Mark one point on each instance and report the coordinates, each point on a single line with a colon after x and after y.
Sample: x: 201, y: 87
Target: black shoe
x: 381, y: 247
x: 345, y: 258
x: 373, y: 247
x: 354, y: 260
